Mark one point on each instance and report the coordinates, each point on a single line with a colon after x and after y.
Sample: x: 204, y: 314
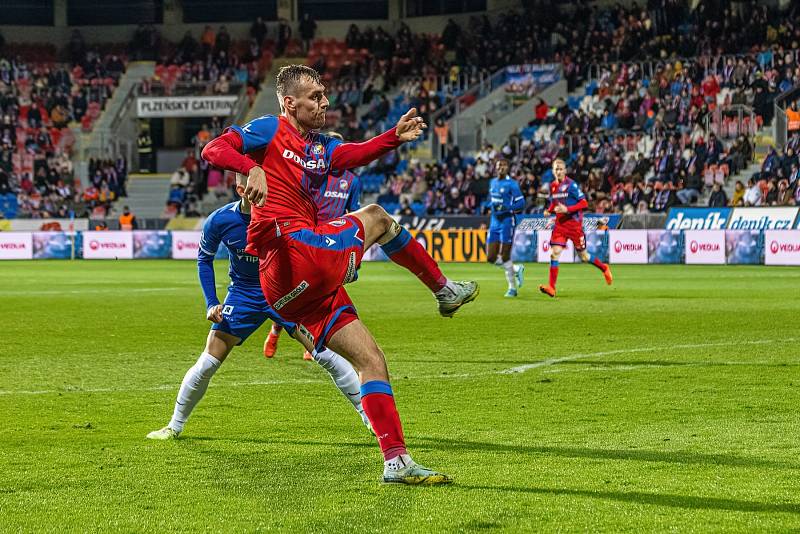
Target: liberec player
x: 242, y: 313
x: 567, y: 201
x: 506, y: 202
x: 304, y: 265
x: 339, y: 194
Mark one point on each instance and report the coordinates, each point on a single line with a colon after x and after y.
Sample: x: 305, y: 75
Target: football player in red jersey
x: 567, y: 201
x: 339, y: 194
x: 304, y: 264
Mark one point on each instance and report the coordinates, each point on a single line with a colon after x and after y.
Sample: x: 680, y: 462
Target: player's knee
x: 491, y: 258
x: 378, y: 217
x: 584, y: 256
x: 373, y: 364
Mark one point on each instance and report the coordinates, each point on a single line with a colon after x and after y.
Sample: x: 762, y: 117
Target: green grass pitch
x: 668, y: 401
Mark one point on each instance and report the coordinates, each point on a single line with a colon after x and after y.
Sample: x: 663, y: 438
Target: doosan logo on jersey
x: 334, y: 194
x: 310, y: 165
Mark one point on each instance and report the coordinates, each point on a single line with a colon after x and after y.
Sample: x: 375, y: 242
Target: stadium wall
x: 704, y: 247
x: 173, y: 29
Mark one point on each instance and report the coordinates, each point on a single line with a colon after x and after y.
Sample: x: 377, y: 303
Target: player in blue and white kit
x: 337, y: 194
x: 506, y: 202
x: 242, y: 313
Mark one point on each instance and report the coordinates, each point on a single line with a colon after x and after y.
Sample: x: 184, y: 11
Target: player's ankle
x: 399, y: 462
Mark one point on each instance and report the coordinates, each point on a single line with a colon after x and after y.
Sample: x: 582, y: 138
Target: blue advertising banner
x: 766, y: 218
x: 597, y: 244
x: 698, y: 218
x: 152, y: 244
x: 744, y: 247
x: 591, y: 221
x: 528, y: 78
x: 56, y: 245
x: 665, y: 246
x: 524, y: 246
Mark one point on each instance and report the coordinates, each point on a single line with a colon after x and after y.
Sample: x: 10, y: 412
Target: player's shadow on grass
x: 658, y: 499
x: 677, y: 457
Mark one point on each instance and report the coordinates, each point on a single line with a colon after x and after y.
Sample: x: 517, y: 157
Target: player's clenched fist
x: 560, y: 208
x: 214, y: 314
x: 410, y: 127
x: 256, y: 190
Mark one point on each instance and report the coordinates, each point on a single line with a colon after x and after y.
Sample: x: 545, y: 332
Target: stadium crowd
x: 38, y: 102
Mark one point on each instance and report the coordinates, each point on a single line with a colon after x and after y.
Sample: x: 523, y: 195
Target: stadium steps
x: 763, y: 142
x: 97, y: 143
x: 266, y: 102
x: 147, y: 195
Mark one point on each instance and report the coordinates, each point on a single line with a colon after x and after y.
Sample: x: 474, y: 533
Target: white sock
x: 449, y: 289
x: 275, y: 330
x: 342, y: 374
x: 193, y: 388
x: 508, y: 267
x: 398, y: 462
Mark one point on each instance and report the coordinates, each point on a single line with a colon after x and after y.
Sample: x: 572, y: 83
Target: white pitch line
x: 162, y: 387
x: 573, y: 357
x: 92, y: 291
x: 513, y: 370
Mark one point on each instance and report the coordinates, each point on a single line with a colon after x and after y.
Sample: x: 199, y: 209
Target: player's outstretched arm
x: 353, y: 155
x: 226, y: 152
x: 580, y: 205
x: 410, y: 126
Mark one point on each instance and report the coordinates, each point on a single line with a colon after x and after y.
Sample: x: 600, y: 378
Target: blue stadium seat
x: 574, y: 102
x: 528, y: 132
x: 419, y: 208
x: 591, y: 88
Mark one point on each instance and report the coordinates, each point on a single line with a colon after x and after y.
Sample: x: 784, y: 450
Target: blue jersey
x: 506, y: 200
x: 227, y: 226
x: 339, y: 194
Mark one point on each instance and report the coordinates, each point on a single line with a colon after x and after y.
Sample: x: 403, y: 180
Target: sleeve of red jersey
x: 225, y: 152
x: 580, y: 205
x: 576, y: 193
x: 352, y: 155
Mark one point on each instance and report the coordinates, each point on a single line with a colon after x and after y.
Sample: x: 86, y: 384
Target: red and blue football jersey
x: 339, y: 194
x: 568, y: 193
x: 294, y: 165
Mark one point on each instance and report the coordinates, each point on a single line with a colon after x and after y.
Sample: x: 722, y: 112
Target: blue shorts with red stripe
x: 303, y: 276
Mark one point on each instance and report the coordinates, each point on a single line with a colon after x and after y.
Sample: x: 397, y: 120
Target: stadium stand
x: 40, y: 99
